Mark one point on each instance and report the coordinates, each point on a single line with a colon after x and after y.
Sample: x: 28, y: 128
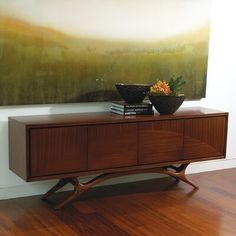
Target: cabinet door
x: 160, y: 141
x: 58, y: 150
x: 112, y: 145
x: 204, y: 137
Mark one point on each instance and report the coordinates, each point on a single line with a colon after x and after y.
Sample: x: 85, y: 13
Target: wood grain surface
x: 108, y: 117
x: 58, y: 150
x: 160, y: 141
x: 149, y: 208
x: 204, y: 137
x: 71, y: 145
x: 112, y: 145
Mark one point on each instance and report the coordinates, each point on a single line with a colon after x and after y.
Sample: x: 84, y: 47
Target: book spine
x: 138, y: 113
x: 117, y: 112
x: 137, y: 105
x: 129, y: 106
x: 147, y: 112
x: 147, y: 108
x: 138, y: 109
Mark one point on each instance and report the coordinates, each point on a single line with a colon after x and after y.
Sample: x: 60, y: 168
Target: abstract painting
x: 63, y: 51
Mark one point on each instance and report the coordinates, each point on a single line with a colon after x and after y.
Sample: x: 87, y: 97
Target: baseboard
x: 37, y: 188
x: 205, y: 166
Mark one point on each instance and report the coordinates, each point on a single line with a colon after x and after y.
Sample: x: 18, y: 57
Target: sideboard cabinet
x: 67, y: 146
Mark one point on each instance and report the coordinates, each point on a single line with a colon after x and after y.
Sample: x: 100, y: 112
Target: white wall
x: 221, y: 94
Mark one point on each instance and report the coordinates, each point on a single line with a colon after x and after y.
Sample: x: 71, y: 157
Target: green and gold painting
x: 63, y: 51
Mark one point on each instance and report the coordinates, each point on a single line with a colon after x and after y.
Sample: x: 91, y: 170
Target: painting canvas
x: 62, y: 51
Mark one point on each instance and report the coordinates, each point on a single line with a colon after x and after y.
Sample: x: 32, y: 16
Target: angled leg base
x: 179, y: 174
x: 176, y: 172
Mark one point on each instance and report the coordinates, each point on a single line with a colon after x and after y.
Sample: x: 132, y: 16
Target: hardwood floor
x: 148, y: 208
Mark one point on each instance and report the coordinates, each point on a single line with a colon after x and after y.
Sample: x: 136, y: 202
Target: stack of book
x: 125, y: 109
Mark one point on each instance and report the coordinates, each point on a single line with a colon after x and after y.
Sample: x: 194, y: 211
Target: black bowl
x: 166, y: 104
x: 133, y: 93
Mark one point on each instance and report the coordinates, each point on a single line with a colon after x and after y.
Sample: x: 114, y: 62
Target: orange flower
x: 161, y: 87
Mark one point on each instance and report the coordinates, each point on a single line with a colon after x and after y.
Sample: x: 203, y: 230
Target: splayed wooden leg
x: 77, y: 191
x: 61, y: 183
x: 177, y: 172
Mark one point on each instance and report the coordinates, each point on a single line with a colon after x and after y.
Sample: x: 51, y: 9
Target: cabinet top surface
x: 108, y: 117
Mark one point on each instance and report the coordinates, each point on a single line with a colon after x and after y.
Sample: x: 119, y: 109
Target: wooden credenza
x: 68, y: 146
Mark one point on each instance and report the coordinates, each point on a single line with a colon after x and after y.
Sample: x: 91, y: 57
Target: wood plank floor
x: 154, y: 207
